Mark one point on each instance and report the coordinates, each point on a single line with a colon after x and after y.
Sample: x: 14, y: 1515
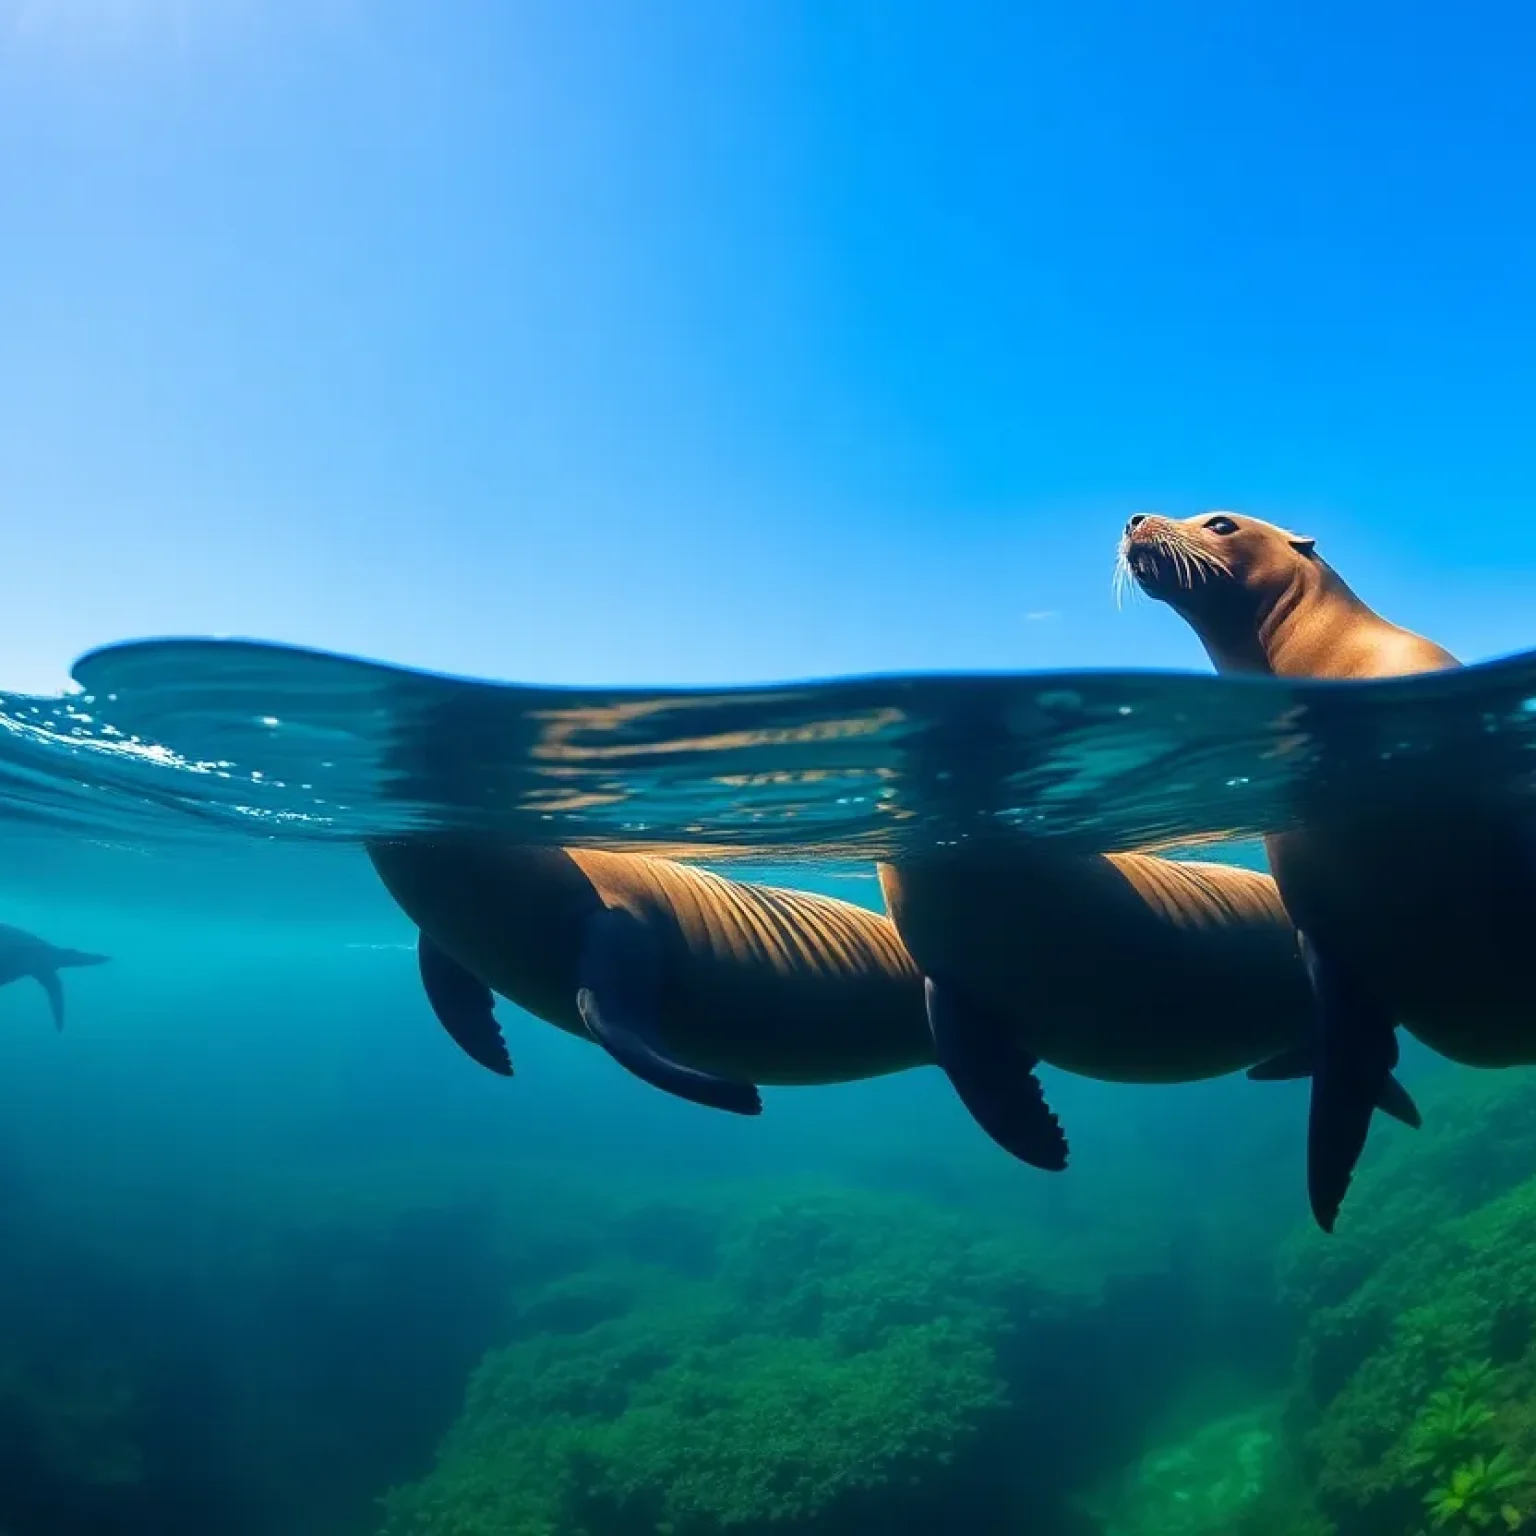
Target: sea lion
x: 700, y: 985
x: 1123, y: 967
x: 23, y: 954
x: 1418, y: 917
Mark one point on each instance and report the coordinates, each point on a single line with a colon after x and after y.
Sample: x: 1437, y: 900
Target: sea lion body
x: 753, y: 982
x: 1418, y: 917
x: 705, y: 987
x: 1123, y: 967
x: 1438, y: 915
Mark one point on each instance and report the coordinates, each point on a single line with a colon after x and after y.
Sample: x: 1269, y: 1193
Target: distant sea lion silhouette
x: 1122, y: 967
x: 699, y: 985
x: 24, y: 955
x: 1420, y: 917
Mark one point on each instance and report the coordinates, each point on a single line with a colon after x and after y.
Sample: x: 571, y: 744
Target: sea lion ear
x: 1303, y: 545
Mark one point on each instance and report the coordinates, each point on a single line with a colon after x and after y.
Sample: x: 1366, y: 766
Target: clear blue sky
x: 743, y: 339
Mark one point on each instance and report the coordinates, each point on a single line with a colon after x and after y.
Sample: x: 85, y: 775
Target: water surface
x: 180, y: 737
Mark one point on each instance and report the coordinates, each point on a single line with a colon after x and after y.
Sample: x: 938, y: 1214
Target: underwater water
x: 279, y: 1261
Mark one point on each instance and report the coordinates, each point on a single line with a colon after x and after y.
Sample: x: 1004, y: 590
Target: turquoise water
x: 281, y: 1262
x: 186, y: 736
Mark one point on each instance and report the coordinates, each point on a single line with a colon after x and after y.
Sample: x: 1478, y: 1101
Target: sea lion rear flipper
x: 50, y: 983
x: 616, y: 996
x: 1298, y: 1062
x: 995, y: 1079
x: 1396, y: 1101
x: 1357, y: 1050
x: 464, y: 1006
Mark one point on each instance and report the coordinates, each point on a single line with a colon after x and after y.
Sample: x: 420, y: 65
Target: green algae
x: 1415, y: 1398
x: 843, y: 1342
x: 1413, y: 1401
x: 1479, y: 1493
x: 838, y: 1348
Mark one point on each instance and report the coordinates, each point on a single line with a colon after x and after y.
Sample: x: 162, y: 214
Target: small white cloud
x: 1039, y: 615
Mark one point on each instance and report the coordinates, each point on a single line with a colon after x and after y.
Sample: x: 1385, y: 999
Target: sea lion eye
x: 1222, y: 525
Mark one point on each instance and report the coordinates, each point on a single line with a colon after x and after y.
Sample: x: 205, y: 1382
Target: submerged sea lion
x: 700, y: 985
x: 704, y: 986
x: 1122, y: 967
x: 24, y: 955
x: 1422, y: 918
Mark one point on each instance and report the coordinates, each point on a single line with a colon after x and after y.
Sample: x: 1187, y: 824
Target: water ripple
x: 178, y: 738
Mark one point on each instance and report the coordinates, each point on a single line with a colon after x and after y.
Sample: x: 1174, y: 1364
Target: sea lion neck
x: 1301, y: 621
x: 1282, y: 629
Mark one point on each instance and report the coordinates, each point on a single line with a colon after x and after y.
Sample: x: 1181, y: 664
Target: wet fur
x: 775, y: 986
x: 1121, y: 967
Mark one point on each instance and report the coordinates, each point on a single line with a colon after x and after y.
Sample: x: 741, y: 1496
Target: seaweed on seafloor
x: 1479, y: 1495
x: 1454, y: 1424
x: 834, y: 1351
x: 1415, y: 1392
x: 836, y: 1360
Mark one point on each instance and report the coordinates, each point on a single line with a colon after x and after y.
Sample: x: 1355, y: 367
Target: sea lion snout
x: 1145, y: 547
x: 1147, y: 531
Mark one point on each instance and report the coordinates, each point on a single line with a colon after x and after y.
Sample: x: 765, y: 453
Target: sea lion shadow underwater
x: 1415, y: 915
x: 24, y: 955
x: 706, y: 987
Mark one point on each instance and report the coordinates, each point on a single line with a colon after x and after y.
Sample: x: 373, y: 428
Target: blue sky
x: 707, y: 342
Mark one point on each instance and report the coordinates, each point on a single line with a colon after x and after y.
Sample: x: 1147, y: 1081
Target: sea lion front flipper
x: 1299, y: 1061
x: 1357, y: 1050
x: 617, y: 988
x: 464, y: 1006
x: 995, y: 1079
x: 49, y: 981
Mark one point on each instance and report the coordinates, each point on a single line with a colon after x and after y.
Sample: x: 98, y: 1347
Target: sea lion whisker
x: 1168, y: 550
x: 1124, y: 581
x: 1207, y: 562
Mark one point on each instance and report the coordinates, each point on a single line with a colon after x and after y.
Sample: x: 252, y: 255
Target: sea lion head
x: 1222, y: 573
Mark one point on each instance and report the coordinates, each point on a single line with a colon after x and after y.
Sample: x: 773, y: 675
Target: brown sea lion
x: 1122, y: 967
x: 704, y: 986
x: 700, y: 985
x: 1421, y: 918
